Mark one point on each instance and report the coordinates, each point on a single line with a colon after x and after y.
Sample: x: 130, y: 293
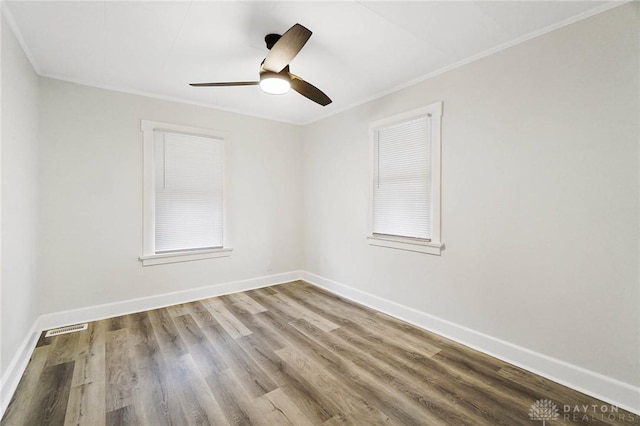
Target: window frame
x: 435, y: 245
x: 149, y: 256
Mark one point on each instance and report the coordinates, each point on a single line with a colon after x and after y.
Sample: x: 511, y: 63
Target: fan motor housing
x: 271, y: 39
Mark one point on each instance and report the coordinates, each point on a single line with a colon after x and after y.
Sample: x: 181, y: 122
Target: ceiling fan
x: 275, y: 77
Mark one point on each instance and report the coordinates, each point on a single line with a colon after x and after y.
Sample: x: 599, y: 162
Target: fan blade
x: 286, y: 48
x: 309, y: 91
x: 231, y: 83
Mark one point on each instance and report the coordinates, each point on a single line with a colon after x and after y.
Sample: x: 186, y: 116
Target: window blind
x: 189, y: 175
x: 402, y: 180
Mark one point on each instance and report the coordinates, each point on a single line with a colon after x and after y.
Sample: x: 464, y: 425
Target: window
x: 184, y: 194
x: 404, y: 201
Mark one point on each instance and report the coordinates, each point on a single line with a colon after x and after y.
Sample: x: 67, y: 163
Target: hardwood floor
x: 289, y: 354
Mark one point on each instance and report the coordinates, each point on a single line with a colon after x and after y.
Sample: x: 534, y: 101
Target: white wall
x: 91, y: 197
x: 19, y: 196
x: 540, y: 197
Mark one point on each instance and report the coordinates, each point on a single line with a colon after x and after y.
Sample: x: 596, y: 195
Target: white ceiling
x: 358, y: 51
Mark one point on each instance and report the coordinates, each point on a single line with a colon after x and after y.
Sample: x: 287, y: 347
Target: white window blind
x: 189, y: 181
x: 402, y: 180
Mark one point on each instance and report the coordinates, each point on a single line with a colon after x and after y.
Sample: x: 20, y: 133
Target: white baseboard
x: 15, y: 370
x: 612, y: 391
x: 13, y: 373
x: 109, y: 310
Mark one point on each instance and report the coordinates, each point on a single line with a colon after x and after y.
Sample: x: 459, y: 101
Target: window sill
x: 428, y: 247
x: 184, y: 256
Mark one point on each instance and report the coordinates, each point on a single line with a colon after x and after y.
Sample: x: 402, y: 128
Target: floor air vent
x: 65, y: 330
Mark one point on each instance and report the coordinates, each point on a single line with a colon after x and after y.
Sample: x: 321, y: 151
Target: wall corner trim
x: 599, y: 386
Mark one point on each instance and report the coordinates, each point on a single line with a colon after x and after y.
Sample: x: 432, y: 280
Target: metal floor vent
x: 65, y: 330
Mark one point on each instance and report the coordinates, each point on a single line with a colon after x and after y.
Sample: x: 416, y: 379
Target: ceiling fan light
x: 274, y: 83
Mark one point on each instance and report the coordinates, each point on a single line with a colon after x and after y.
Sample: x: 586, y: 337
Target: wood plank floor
x: 288, y: 354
